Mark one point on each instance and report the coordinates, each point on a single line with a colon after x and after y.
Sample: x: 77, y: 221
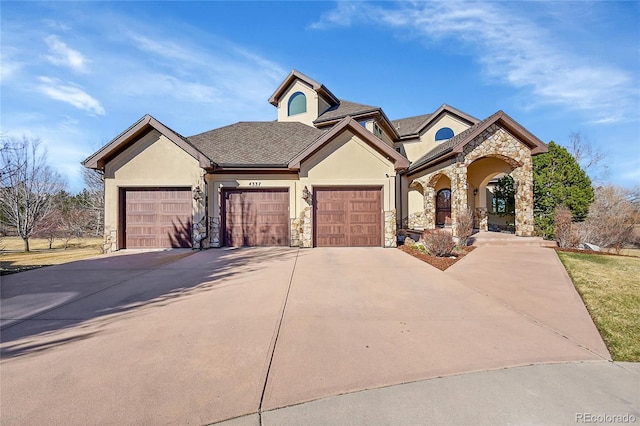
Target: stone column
x: 429, y: 220
x: 307, y: 229
x: 390, y: 238
x: 110, y: 241
x: 215, y: 239
x: 459, y: 201
x: 523, y: 182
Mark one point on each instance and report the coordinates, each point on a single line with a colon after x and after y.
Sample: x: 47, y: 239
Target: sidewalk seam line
x: 275, y: 341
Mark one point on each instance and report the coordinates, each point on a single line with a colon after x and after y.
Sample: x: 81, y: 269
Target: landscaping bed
x: 441, y: 263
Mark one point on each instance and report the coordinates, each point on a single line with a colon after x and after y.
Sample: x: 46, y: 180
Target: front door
x: 443, y: 207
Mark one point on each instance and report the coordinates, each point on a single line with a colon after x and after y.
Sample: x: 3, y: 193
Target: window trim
x: 292, y: 99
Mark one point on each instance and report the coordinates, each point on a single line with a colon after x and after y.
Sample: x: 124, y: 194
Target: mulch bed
x: 441, y: 263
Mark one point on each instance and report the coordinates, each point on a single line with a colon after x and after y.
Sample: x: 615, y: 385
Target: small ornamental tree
x: 558, y: 179
x: 464, y: 226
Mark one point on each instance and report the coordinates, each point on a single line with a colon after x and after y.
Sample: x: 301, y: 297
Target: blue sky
x: 77, y: 74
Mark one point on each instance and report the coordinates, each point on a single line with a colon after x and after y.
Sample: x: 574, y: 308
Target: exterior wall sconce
x: 475, y: 192
x: 306, y: 195
x: 197, y: 193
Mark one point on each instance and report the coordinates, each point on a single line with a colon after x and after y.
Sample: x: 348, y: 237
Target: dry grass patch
x: 610, y: 289
x: 13, y: 259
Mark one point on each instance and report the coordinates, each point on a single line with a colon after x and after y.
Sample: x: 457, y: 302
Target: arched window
x: 297, y: 103
x: 444, y: 134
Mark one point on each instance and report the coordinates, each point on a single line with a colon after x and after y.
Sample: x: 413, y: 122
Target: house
x: 327, y: 172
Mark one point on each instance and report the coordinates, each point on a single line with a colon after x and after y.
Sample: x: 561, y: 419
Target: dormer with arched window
x: 302, y: 99
x: 297, y: 104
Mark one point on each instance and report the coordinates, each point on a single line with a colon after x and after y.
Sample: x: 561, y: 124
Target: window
x: 297, y: 103
x: 444, y: 134
x: 499, y: 205
x: 377, y: 130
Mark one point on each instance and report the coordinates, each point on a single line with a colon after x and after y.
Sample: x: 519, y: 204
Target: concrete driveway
x: 182, y: 337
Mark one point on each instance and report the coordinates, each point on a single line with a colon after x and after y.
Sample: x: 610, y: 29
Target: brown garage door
x: 157, y: 218
x: 256, y: 218
x: 348, y: 217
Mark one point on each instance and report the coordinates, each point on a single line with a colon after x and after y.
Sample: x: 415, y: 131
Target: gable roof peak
x: 315, y: 85
x: 138, y: 129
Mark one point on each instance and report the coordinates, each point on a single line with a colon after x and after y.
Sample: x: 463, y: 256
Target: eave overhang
x: 374, y: 113
x: 350, y: 124
x: 297, y: 75
x: 135, y: 132
x: 501, y: 118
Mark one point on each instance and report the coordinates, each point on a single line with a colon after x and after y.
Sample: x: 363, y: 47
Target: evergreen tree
x: 559, y: 179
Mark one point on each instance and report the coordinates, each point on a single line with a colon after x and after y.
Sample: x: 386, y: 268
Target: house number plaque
x: 255, y: 183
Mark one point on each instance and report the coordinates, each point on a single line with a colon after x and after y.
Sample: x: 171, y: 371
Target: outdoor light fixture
x: 197, y: 193
x: 306, y: 195
x: 475, y: 191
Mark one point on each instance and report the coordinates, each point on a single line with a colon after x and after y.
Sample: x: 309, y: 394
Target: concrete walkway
x: 274, y: 335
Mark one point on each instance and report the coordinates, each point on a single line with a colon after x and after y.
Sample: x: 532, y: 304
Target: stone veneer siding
x: 215, y: 239
x: 390, y: 236
x: 301, y: 230
x: 110, y: 241
x: 492, y: 142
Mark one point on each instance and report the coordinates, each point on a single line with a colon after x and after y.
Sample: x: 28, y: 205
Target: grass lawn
x: 610, y: 289
x: 13, y: 259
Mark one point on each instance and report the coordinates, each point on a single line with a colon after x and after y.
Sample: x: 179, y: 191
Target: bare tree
x: 94, y: 197
x: 27, y: 185
x: 589, y: 157
x: 612, y: 219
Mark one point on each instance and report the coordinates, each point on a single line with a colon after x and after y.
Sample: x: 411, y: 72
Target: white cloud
x: 64, y: 56
x: 511, y: 48
x: 70, y: 94
x: 10, y: 67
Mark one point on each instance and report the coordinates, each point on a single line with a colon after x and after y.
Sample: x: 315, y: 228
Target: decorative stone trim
x: 390, y: 237
x: 199, y: 233
x: 215, y: 239
x: 481, y: 219
x: 301, y: 230
x: 417, y: 220
x: 110, y: 243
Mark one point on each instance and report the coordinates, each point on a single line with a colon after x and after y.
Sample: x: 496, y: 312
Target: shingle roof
x: 269, y: 143
x: 343, y: 109
x: 448, y: 145
x: 410, y: 125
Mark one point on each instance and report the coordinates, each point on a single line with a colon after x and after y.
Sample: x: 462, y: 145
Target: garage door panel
x: 350, y: 217
x: 157, y: 218
x: 256, y: 218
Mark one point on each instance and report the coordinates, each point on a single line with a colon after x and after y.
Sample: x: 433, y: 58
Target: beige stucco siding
x: 349, y: 161
x: 152, y: 161
x: 418, y: 147
x: 314, y: 104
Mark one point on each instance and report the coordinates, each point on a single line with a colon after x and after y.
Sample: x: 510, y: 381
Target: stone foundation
x: 390, y: 236
x: 215, y: 239
x: 301, y: 230
x: 417, y: 220
x: 199, y: 233
x: 110, y: 241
